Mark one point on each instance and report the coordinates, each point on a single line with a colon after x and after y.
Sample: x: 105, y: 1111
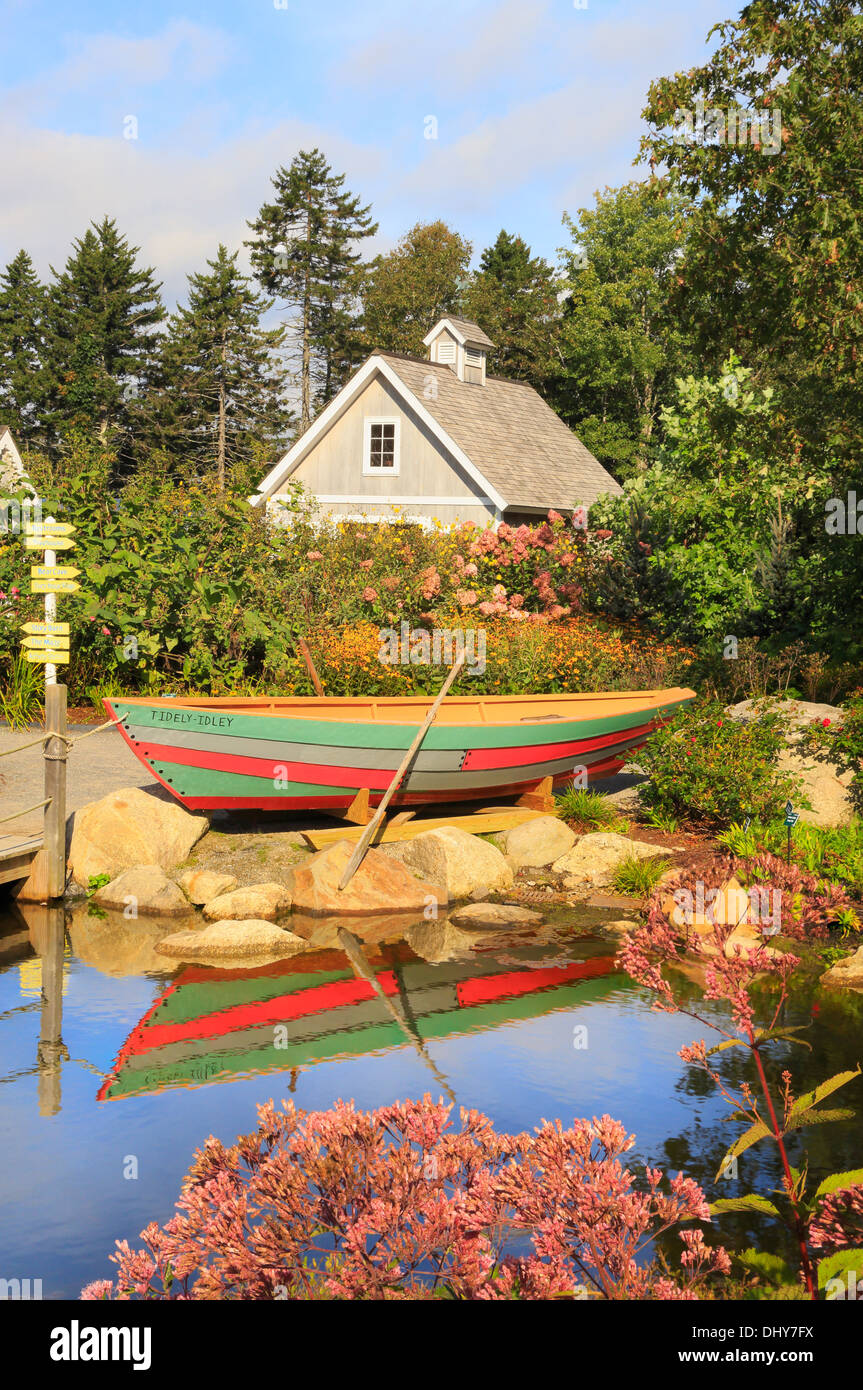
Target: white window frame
x: 368, y: 470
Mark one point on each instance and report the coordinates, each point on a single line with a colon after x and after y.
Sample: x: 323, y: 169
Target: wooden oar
x: 357, y: 957
x: 362, y: 845
x: 310, y: 665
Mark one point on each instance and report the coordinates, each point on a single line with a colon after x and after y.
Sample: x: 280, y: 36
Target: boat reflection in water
x: 211, y: 1024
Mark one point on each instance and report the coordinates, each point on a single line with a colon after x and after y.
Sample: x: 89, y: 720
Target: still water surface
x: 139, y: 1063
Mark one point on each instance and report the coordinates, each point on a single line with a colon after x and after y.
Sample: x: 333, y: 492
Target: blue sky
x: 537, y: 105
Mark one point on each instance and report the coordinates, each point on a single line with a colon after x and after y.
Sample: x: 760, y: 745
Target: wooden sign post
x: 48, y: 642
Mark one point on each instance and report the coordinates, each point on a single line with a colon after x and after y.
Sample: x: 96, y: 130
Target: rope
x: 16, y: 814
x: 69, y: 742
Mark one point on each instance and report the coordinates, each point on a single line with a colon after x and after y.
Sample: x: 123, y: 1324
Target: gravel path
x: 96, y: 768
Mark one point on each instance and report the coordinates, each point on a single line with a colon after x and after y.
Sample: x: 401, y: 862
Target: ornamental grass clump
x: 711, y: 771
x: 397, y: 1203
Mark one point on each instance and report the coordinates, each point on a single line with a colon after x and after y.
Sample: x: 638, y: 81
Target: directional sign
x: 54, y: 586
x: 54, y: 572
x: 49, y: 528
x: 792, y: 817
x: 46, y: 644
x: 49, y: 658
x: 47, y: 629
x: 49, y: 543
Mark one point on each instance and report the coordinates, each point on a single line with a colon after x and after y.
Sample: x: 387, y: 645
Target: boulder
x: 459, y: 864
x: 847, y: 973
x: 202, y: 885
x: 132, y: 827
x: 822, y: 783
x: 261, y: 901
x: 381, y: 884
x: 595, y: 857
x: 145, y: 891
x: 232, y: 940
x: 494, y: 915
x: 620, y: 926
x: 536, y: 843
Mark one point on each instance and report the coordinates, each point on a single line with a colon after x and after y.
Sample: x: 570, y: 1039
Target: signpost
x: 48, y: 643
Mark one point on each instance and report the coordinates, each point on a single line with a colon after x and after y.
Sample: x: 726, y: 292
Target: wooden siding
x: 333, y: 468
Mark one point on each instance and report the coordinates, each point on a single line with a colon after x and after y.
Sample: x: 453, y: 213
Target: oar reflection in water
x: 357, y: 957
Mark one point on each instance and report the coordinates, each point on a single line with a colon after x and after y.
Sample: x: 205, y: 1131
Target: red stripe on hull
x: 337, y: 994
x: 490, y: 987
x: 478, y: 759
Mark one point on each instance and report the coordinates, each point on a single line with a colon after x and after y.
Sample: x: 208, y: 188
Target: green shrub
x: 710, y: 770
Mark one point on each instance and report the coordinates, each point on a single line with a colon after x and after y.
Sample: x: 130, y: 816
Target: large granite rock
x: 596, y: 856
x: 822, y: 783
x: 202, y: 885
x: 261, y: 901
x: 847, y: 973
x: 132, y: 827
x: 231, y: 941
x: 459, y: 864
x: 381, y: 884
x: 536, y: 843
x: 145, y: 891
x: 492, y: 916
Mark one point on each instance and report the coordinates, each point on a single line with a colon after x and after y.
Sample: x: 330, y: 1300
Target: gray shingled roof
x: 471, y: 331
x: 509, y: 433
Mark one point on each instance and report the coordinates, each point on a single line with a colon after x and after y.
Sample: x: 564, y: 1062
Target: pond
x: 115, y: 1067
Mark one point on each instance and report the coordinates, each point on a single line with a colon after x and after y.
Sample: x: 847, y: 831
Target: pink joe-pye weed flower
x: 369, y: 594
x: 401, y: 1203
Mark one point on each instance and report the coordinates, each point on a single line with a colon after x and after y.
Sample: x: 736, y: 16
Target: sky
x: 172, y: 117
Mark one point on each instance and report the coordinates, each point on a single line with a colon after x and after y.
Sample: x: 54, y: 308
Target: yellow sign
x: 49, y: 543
x: 49, y: 528
x: 46, y: 644
x: 47, y: 629
x: 54, y: 572
x: 49, y: 658
x: 54, y: 586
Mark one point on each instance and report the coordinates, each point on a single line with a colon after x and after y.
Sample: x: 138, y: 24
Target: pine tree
x: 512, y: 298
x: 21, y: 347
x: 304, y: 252
x: 414, y: 286
x: 219, y: 390
x: 102, y: 313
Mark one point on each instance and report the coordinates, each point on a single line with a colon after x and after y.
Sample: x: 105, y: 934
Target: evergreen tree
x: 413, y: 286
x: 21, y: 346
x: 512, y: 298
x: 219, y: 388
x: 304, y: 252
x: 101, y: 316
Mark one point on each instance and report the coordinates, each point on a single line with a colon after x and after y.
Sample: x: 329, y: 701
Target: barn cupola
x: 462, y: 346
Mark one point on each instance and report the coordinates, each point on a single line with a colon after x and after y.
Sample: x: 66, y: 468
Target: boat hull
x: 319, y: 754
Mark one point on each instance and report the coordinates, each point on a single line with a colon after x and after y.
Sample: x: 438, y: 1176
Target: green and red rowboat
x: 319, y: 752
x: 211, y: 1025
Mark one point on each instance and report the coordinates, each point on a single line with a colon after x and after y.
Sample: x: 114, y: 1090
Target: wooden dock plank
x: 17, y: 853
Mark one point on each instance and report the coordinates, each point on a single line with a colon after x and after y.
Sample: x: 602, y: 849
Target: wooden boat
x: 213, y: 1024
x: 320, y: 752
